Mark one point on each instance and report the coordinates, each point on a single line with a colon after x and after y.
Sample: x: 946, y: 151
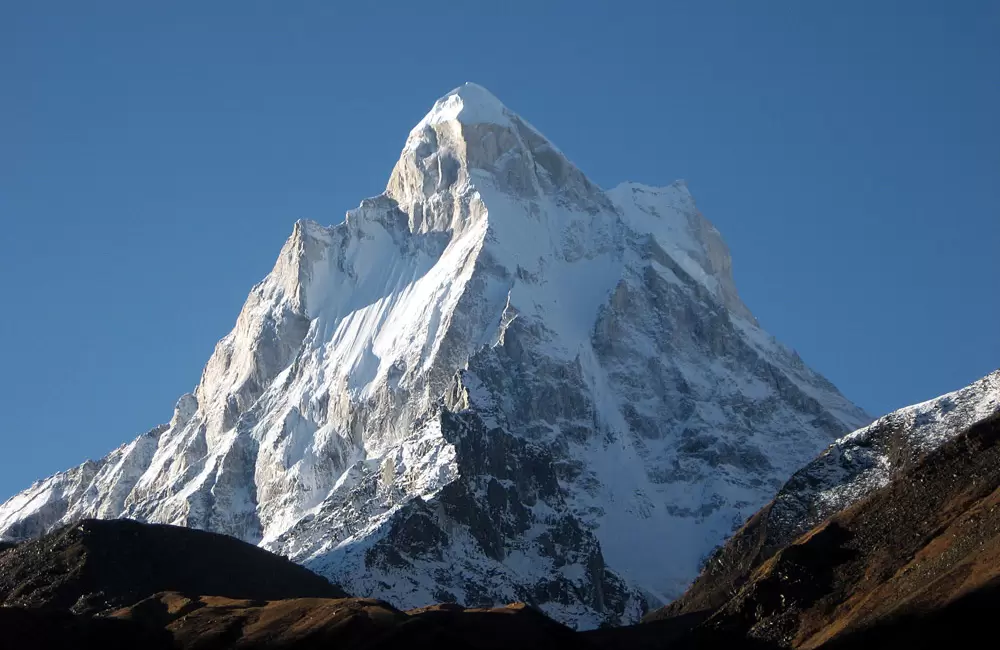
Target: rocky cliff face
x: 493, y: 382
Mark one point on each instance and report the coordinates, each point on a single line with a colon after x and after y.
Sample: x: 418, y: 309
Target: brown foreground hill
x: 122, y: 584
x: 95, y: 566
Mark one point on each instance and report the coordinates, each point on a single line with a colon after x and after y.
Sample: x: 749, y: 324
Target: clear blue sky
x: 153, y: 157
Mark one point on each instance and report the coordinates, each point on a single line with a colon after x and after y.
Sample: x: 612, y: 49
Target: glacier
x: 493, y: 382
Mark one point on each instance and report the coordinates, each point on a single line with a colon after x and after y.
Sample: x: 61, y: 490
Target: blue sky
x: 153, y: 157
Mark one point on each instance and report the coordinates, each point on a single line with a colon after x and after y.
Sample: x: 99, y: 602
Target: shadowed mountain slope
x: 95, y: 566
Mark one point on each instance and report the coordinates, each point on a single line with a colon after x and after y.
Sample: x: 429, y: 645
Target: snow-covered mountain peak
x: 493, y: 382
x: 469, y: 142
x: 470, y: 103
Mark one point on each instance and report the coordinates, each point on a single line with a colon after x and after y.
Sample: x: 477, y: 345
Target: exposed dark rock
x: 501, y: 477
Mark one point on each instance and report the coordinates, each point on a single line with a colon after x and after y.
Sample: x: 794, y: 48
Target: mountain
x: 494, y: 382
x: 890, y: 538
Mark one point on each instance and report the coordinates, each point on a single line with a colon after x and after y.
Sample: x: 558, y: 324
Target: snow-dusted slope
x: 867, y: 459
x: 493, y: 382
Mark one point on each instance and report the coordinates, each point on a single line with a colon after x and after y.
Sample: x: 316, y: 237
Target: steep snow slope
x: 493, y: 382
